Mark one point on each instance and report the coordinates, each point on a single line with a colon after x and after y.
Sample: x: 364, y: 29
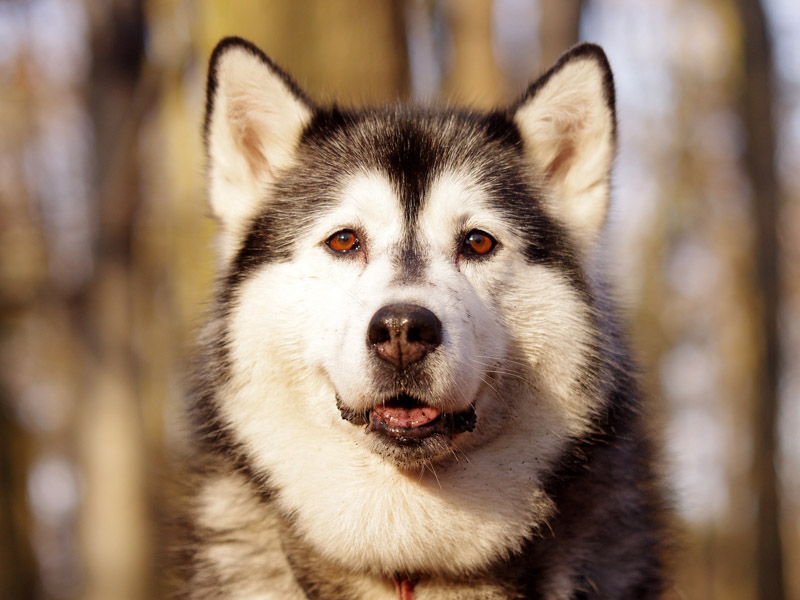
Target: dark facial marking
x: 409, y: 261
x: 408, y: 158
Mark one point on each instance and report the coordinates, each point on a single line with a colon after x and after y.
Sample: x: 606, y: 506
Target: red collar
x: 404, y: 586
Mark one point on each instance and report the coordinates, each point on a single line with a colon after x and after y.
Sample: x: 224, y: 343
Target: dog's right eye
x: 343, y: 242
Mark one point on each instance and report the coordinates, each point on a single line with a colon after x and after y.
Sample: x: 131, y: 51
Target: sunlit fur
x: 551, y: 495
x: 254, y: 126
x: 573, y: 143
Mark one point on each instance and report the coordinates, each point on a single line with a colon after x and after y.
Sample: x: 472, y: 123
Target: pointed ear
x: 568, y: 125
x: 255, y: 115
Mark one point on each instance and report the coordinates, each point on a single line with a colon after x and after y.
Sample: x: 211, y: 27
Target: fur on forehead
x: 568, y: 125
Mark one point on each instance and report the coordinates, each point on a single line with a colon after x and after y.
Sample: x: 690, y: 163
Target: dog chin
x: 409, y: 432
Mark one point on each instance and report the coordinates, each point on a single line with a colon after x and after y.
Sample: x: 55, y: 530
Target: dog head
x: 410, y: 281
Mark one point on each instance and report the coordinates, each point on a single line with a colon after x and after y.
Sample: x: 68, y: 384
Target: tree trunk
x: 114, y: 532
x: 474, y: 78
x: 17, y: 569
x: 350, y: 50
x: 757, y: 103
x: 559, y: 26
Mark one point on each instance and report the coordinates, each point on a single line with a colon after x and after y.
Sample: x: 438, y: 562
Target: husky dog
x: 411, y: 384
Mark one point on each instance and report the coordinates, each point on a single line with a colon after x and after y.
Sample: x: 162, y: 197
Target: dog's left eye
x: 478, y: 243
x: 343, y: 242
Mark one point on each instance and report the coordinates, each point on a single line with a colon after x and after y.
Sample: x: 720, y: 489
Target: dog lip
x: 408, y: 420
x: 353, y: 416
x: 405, y: 435
x: 421, y: 422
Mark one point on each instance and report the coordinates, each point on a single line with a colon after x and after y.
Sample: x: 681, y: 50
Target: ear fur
x: 255, y: 115
x: 567, y: 121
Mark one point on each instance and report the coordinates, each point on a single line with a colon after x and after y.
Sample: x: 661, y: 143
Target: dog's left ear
x: 255, y: 115
x: 568, y: 125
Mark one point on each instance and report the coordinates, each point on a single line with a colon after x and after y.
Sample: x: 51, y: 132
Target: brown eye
x: 343, y: 242
x: 478, y: 243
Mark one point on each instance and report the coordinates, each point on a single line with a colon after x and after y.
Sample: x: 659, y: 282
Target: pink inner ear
x: 248, y: 140
x: 247, y: 137
x: 562, y: 160
x: 251, y: 148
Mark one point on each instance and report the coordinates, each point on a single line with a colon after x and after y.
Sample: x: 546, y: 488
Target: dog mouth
x: 409, y: 420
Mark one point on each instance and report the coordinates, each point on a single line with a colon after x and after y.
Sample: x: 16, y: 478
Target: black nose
x: 402, y: 334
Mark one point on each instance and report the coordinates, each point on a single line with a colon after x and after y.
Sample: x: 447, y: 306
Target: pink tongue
x: 406, y: 417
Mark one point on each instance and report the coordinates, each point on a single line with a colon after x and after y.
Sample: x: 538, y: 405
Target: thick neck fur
x: 606, y: 507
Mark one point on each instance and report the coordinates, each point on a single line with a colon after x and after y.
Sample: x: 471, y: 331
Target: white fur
x: 568, y: 130
x: 517, y: 358
x: 254, y: 126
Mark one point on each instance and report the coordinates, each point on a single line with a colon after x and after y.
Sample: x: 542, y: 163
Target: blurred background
x: 106, y: 247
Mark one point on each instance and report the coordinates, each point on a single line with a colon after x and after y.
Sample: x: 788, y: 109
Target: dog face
x: 405, y: 289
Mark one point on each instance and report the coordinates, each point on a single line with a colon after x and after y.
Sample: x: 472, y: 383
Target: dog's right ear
x: 255, y: 115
